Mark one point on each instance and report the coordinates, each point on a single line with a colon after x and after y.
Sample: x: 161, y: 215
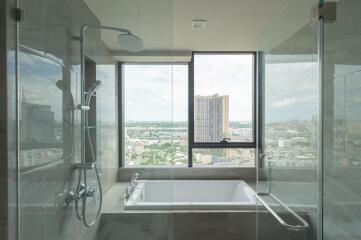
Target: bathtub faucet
x: 134, y: 179
x: 132, y: 185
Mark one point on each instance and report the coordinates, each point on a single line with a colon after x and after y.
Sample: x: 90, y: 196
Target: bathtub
x: 191, y: 195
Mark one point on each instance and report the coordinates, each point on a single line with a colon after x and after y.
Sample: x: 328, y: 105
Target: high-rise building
x: 211, y: 118
x: 37, y: 123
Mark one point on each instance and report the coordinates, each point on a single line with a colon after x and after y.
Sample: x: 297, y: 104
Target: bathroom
x: 180, y: 119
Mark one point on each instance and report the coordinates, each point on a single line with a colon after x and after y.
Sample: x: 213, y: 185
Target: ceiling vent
x: 199, y: 24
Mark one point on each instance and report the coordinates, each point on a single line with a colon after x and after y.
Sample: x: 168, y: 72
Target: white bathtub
x: 191, y: 195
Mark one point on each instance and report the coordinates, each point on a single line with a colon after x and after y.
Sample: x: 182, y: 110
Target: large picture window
x: 222, y: 109
x: 155, y: 114
x: 197, y: 114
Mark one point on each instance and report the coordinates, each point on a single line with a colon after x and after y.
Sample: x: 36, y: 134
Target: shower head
x: 61, y: 85
x: 95, y: 86
x: 130, y: 42
x: 92, y: 89
x: 126, y: 39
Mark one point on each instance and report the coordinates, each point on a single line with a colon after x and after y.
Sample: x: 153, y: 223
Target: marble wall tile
x: 342, y: 195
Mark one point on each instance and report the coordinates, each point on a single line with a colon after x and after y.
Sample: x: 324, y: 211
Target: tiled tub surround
x: 191, y: 195
x: 185, y: 173
x: 117, y: 223
x: 49, y: 83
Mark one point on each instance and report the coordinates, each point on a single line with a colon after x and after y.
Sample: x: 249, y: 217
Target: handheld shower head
x: 92, y: 89
x: 95, y: 86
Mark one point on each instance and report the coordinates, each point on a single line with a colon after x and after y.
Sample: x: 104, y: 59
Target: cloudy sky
x: 159, y: 93
x: 153, y: 93
x: 291, y: 91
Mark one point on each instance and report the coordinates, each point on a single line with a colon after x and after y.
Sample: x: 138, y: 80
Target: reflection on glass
x: 224, y: 157
x: 223, y: 101
x: 107, y: 150
x: 347, y: 114
x: 41, y: 117
x: 155, y: 112
x: 291, y: 122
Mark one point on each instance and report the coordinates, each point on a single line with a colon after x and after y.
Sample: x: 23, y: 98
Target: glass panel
x: 55, y: 199
x: 342, y: 119
x: 223, y: 97
x: 290, y: 145
x: 159, y: 139
x: 224, y: 157
x: 106, y: 117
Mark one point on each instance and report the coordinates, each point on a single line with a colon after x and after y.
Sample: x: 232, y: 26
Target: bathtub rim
x: 188, y: 206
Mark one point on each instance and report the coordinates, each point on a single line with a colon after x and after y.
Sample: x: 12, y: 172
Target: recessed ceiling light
x: 199, y: 24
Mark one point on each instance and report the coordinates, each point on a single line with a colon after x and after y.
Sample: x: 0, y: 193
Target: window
x: 222, y: 94
x: 155, y: 128
x: 196, y: 114
x: 223, y: 157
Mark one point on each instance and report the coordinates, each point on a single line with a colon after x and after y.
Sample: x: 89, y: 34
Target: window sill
x: 185, y: 173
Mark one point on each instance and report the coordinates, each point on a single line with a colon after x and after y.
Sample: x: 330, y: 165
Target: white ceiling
x: 165, y: 25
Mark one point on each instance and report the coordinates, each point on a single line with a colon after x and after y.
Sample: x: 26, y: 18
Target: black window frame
x: 191, y: 143
x: 196, y: 145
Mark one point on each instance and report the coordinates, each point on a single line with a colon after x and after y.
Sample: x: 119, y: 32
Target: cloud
x: 284, y: 102
x: 293, y: 101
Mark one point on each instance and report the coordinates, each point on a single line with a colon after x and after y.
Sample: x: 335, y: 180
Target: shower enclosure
x: 308, y: 168
x: 290, y: 125
x: 68, y: 155
x: 308, y: 130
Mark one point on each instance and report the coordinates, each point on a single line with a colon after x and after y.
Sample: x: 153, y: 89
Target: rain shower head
x: 130, y: 42
x: 61, y: 85
x: 126, y: 39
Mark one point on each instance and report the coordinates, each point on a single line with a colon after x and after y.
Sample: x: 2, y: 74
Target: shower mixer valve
x: 83, y: 192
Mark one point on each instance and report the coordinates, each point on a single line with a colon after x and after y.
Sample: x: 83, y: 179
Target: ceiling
x: 165, y: 25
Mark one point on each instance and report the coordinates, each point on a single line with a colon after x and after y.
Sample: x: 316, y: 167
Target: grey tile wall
x: 8, y: 194
x: 194, y: 225
x: 342, y: 121
x: 49, y: 83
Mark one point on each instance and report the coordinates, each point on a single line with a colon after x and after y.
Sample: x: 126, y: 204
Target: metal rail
x: 300, y: 227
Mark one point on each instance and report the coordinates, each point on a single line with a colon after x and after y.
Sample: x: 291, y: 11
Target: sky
x: 159, y: 93
x: 162, y: 89
x: 155, y: 92
x: 230, y: 75
x: 291, y: 91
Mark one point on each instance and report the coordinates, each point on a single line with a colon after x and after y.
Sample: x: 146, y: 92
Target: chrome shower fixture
x: 128, y: 42
x: 91, y: 91
x: 95, y: 86
x: 126, y: 39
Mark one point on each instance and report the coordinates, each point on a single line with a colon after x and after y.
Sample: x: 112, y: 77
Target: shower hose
x: 82, y: 215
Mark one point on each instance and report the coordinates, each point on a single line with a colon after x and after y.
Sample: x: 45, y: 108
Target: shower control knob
x: 81, y: 190
x: 70, y: 196
x: 82, y: 107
